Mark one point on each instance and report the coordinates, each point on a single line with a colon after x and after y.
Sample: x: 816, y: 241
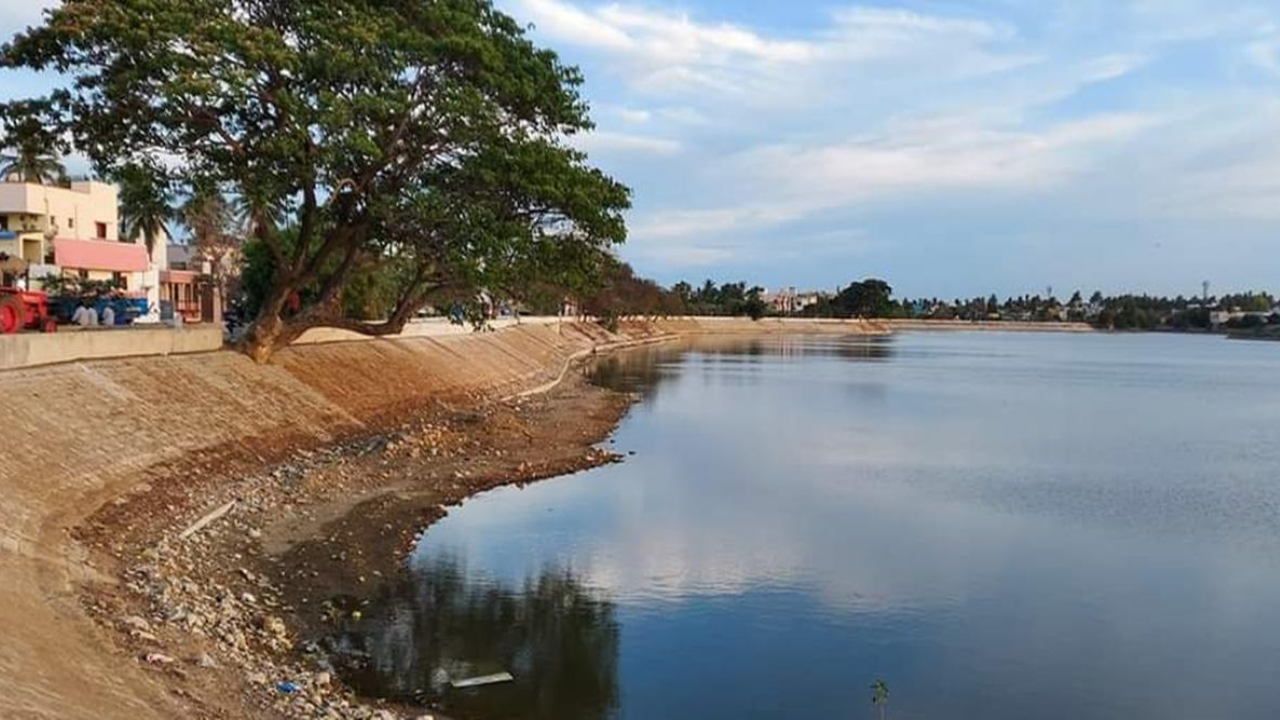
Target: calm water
x: 998, y: 525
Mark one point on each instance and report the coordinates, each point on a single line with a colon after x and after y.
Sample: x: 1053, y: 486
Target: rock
x: 133, y: 622
x: 274, y: 627
x: 155, y: 658
x: 205, y: 660
x: 324, y: 679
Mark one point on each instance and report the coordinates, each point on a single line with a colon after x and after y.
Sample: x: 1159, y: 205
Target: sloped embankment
x: 77, y: 436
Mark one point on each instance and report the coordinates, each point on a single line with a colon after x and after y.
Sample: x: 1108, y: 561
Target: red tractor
x: 21, y: 308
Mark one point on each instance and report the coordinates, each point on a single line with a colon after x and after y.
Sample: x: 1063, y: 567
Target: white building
x: 787, y: 301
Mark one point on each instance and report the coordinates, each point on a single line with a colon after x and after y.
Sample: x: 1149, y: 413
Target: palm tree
x: 32, y: 163
x: 880, y: 697
x: 254, y: 208
x: 145, y: 204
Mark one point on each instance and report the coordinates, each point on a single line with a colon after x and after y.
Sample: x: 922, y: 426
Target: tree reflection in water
x: 644, y: 370
x: 557, y: 639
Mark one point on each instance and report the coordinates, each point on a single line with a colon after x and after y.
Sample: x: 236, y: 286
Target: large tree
x: 872, y: 298
x: 422, y: 140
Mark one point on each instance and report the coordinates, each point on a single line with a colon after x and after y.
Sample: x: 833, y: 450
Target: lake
x: 997, y: 525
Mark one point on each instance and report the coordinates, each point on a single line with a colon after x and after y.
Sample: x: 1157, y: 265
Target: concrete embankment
x: 78, y: 435
x: 72, y: 344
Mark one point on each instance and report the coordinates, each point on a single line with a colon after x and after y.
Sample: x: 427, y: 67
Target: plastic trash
x: 494, y: 679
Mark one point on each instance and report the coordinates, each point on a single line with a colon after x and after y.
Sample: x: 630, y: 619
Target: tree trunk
x: 268, y: 332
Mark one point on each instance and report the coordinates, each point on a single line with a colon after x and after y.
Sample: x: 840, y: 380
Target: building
x: 787, y: 301
x: 187, y: 286
x: 69, y: 231
x: 73, y: 232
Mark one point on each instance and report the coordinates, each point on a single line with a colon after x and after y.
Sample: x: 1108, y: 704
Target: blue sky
x: 952, y: 147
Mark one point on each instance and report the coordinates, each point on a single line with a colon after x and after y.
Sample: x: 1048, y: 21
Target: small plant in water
x: 880, y: 697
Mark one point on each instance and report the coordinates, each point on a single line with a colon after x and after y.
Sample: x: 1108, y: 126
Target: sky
x: 952, y: 147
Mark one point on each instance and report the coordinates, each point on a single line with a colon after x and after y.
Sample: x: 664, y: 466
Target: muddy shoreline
x: 231, y: 619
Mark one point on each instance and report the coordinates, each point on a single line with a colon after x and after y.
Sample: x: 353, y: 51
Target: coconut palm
x: 145, y: 204
x: 29, y: 162
x: 255, y: 208
x: 32, y: 148
x: 880, y: 697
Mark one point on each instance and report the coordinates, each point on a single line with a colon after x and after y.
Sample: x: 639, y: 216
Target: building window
x: 121, y: 280
x: 4, y: 222
x: 71, y: 223
x: 100, y: 230
x: 84, y: 274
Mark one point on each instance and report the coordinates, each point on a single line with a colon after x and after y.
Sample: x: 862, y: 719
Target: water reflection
x: 441, y: 623
x: 1001, y: 526
x: 645, y: 370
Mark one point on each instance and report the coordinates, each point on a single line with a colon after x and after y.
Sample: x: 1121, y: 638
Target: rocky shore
x: 232, y: 614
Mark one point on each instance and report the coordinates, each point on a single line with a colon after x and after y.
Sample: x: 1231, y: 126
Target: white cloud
x: 1110, y: 67
x: 706, y: 222
x: 919, y: 156
x: 686, y: 255
x: 608, y: 141
x: 633, y: 116
x: 683, y: 115
x: 665, y: 52
x: 563, y: 21
x: 1265, y: 54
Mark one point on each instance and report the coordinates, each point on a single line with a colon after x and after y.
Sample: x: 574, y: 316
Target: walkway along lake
x: 998, y: 525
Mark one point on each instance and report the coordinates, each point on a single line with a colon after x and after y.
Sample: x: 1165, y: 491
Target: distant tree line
x: 622, y: 293
x: 619, y: 293
x: 873, y: 298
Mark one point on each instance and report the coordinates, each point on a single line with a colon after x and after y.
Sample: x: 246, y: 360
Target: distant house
x: 808, y: 299
x: 187, y: 284
x: 789, y: 301
x: 70, y: 232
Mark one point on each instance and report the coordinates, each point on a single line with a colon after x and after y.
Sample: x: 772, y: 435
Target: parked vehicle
x: 21, y: 308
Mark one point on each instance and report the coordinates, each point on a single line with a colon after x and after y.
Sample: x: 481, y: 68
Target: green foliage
x: 617, y: 293
x: 146, y: 203
x: 753, y: 305
x: 370, y: 295
x: 729, y: 299
x: 71, y: 286
x: 257, y: 270
x: 33, y: 148
x: 418, y: 144
x: 871, y: 298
